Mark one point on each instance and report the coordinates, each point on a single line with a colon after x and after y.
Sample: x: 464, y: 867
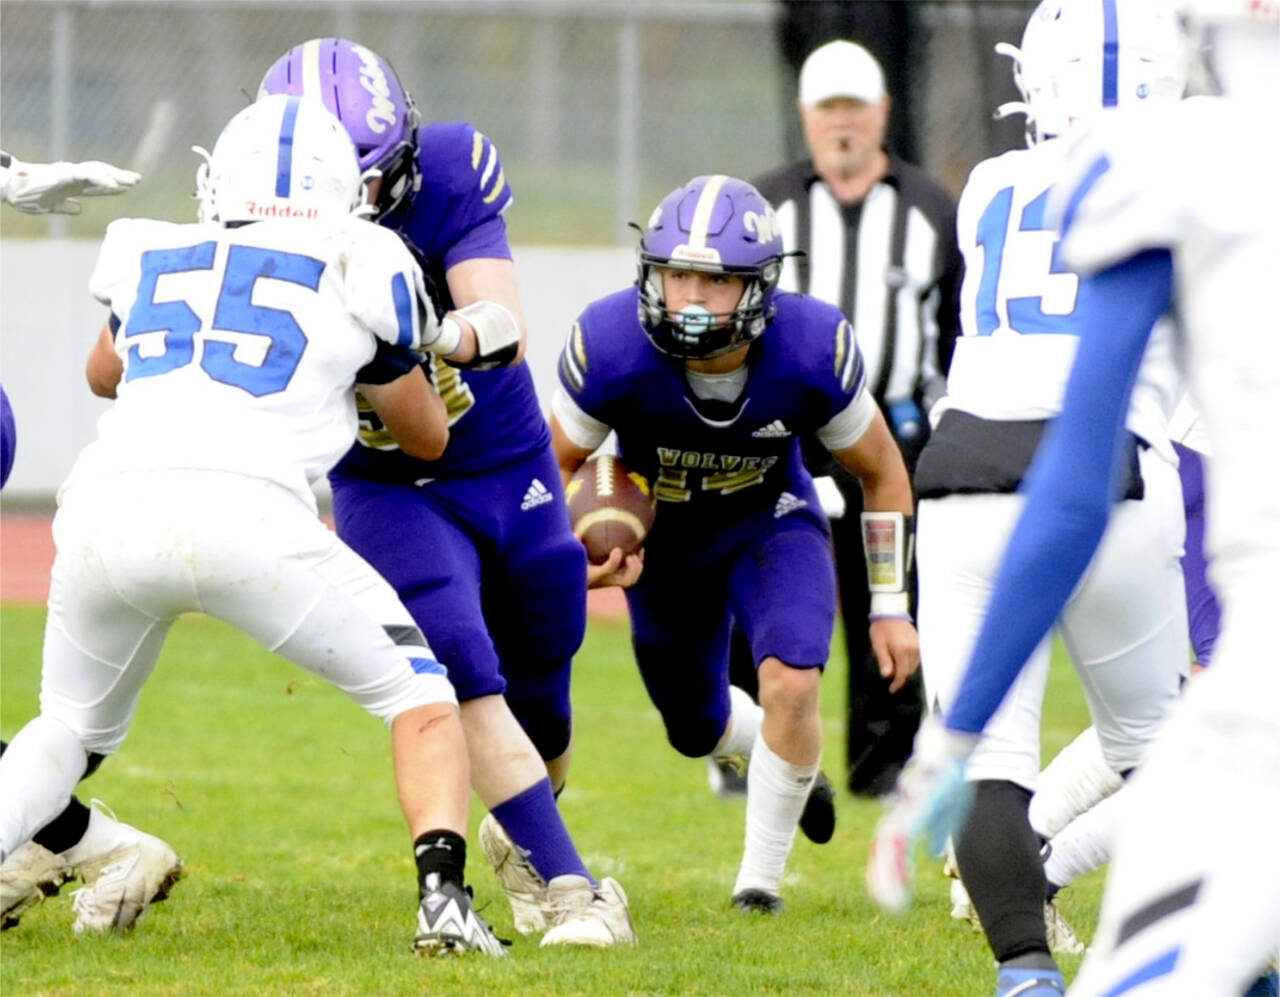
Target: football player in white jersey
x: 231, y: 350
x: 1177, y: 209
x: 123, y: 869
x: 1124, y: 628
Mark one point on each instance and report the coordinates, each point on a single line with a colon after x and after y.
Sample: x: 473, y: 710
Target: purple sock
x: 532, y: 820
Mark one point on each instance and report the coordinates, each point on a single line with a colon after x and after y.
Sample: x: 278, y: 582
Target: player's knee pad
x: 540, y: 702
x: 695, y: 736
x: 549, y: 732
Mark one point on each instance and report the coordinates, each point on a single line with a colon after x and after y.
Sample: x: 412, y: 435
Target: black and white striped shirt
x: 890, y: 262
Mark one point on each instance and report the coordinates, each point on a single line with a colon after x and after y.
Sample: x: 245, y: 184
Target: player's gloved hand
x: 931, y: 801
x: 40, y: 188
x: 433, y: 337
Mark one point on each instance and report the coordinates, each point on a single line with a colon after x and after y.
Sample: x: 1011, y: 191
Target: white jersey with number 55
x: 1020, y: 305
x: 241, y: 345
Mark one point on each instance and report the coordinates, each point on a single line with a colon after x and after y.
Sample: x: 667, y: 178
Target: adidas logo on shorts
x: 787, y: 503
x: 536, y: 495
x: 773, y: 430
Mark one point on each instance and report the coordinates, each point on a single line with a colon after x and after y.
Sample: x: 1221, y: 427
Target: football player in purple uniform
x: 477, y: 544
x: 710, y: 375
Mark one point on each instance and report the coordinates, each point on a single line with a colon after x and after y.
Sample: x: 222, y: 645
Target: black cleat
x: 818, y: 821
x: 758, y: 901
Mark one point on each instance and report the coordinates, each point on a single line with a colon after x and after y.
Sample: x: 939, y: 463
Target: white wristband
x: 449, y: 338
x: 497, y: 333
x: 890, y: 605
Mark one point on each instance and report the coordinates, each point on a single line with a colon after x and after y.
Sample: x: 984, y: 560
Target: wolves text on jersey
x: 734, y: 472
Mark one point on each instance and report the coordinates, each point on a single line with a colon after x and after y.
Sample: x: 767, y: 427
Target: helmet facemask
x: 714, y: 225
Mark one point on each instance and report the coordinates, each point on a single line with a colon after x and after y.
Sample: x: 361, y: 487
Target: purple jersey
x: 494, y: 417
x: 715, y: 465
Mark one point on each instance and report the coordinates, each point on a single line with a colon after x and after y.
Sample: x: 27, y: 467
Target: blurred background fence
x: 597, y: 106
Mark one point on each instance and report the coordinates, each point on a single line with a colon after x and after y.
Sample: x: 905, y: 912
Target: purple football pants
x: 1204, y: 614
x: 777, y: 585
x: 489, y: 568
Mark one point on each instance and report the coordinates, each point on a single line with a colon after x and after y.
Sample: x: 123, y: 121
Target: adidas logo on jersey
x: 773, y: 430
x: 787, y: 503
x: 536, y: 495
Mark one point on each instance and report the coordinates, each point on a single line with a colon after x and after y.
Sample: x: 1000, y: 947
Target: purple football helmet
x: 364, y: 93
x: 713, y: 224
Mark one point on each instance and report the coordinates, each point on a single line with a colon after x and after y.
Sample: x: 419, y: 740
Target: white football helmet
x: 281, y: 157
x: 1079, y: 56
x: 1237, y: 44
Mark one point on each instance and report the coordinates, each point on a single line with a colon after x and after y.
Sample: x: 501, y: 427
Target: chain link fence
x: 598, y: 108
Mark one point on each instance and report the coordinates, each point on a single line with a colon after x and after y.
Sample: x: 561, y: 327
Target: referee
x: 878, y: 236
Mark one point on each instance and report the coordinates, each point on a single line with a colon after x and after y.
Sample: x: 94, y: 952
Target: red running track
x: 26, y: 555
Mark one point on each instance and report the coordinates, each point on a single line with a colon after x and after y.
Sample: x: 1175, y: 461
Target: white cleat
x: 524, y: 886
x: 727, y: 776
x: 124, y: 871
x: 581, y: 914
x: 27, y: 876
x: 1062, y: 940
x: 962, y: 906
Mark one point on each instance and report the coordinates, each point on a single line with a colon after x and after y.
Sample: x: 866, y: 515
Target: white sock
x: 38, y: 773
x: 776, y: 794
x: 745, y: 718
x: 1076, y: 779
x: 1085, y: 844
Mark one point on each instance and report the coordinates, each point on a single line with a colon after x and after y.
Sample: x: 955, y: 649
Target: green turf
x: 278, y: 794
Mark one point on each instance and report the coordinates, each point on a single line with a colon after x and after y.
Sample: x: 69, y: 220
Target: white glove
x: 39, y: 188
x: 931, y: 800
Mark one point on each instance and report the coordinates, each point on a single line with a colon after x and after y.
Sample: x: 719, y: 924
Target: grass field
x: 277, y: 792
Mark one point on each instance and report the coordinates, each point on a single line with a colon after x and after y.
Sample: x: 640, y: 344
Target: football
x: 609, y: 506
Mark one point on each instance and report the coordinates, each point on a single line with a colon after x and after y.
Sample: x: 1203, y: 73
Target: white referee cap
x: 840, y: 69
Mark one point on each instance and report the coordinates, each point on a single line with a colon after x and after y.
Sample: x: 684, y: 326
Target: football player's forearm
x: 568, y: 456
x: 104, y: 368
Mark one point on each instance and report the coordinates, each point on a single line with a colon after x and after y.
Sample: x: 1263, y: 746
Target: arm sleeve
x: 849, y: 425
x: 583, y: 430
x: 1071, y: 484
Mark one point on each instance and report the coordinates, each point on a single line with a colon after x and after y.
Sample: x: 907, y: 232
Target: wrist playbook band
x: 888, y: 542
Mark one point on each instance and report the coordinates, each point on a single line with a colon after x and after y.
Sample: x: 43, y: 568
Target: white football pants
x: 1124, y: 626
x: 1192, y: 904
x: 136, y: 550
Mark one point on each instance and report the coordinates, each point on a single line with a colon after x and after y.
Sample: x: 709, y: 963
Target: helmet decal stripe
x: 284, y: 158
x: 310, y: 57
x: 703, y: 211
x: 1110, y: 54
